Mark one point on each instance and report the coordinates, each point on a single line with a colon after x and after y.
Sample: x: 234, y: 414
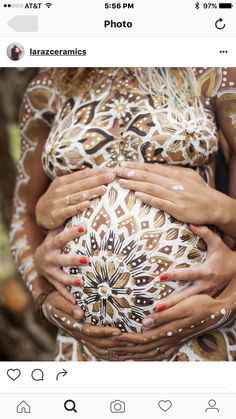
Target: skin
x: 29, y: 191
x: 214, y: 280
x: 82, y: 186
x: 208, y: 207
x: 48, y: 259
x: 173, y: 327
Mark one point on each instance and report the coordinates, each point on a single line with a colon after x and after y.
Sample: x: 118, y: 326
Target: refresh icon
x: 219, y: 24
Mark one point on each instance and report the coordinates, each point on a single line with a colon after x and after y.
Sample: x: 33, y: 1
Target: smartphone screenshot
x: 117, y: 209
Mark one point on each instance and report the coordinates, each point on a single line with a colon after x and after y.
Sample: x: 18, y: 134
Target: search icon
x: 70, y: 406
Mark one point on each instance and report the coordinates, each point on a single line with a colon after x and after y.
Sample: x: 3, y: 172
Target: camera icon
x: 117, y: 406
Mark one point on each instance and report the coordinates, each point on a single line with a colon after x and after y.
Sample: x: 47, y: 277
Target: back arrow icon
x: 219, y: 25
x: 62, y: 373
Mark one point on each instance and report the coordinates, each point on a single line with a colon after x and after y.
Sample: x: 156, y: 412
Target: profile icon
x: 15, y: 52
x: 212, y: 406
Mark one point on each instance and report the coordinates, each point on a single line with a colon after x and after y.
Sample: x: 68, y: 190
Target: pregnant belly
x: 129, y: 245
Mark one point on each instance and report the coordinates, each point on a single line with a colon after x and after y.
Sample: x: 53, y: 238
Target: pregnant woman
x: 98, y: 118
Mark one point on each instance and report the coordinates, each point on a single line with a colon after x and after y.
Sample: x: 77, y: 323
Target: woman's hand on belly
x: 179, y: 191
x: 170, y: 328
x: 70, y: 194
x: 67, y: 316
x: 49, y: 259
x: 209, y: 277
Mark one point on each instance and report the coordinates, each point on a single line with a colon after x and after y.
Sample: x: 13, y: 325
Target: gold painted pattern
x: 111, y: 122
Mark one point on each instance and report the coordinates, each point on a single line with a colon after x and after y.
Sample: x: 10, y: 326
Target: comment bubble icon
x: 37, y: 375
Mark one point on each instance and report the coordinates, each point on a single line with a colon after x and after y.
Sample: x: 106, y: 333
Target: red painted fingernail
x: 161, y: 307
x: 81, y: 229
x: 84, y: 260
x: 78, y: 282
x: 164, y: 277
x: 194, y: 225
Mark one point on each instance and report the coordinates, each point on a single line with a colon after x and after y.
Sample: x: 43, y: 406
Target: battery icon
x: 225, y: 5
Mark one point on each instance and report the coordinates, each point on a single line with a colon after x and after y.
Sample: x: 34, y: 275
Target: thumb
x: 164, y: 317
x: 206, y: 234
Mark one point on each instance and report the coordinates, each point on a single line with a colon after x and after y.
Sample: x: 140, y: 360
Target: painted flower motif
x: 118, y: 107
x: 119, y: 289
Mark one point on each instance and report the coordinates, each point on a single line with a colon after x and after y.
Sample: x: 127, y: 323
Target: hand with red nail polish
x: 164, y: 277
x: 83, y: 260
x: 62, y: 313
x: 175, y: 322
x: 51, y: 255
x: 211, y: 276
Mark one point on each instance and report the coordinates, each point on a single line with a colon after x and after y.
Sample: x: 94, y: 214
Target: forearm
x: 228, y: 296
x: 25, y: 238
x: 226, y: 215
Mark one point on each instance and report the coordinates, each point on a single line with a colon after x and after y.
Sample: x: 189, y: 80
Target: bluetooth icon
x: 197, y: 5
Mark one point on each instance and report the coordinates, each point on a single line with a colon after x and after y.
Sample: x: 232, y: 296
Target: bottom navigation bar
x: 102, y: 406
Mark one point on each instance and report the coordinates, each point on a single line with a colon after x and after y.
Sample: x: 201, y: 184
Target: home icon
x: 23, y: 407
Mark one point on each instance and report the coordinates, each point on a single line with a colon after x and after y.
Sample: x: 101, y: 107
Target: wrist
x: 225, y: 214
x: 227, y: 298
x: 40, y: 286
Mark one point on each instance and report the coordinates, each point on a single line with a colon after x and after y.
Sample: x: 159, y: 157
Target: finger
x: 137, y: 175
x: 211, y: 239
x: 99, y: 331
x: 64, y: 278
x: 62, y: 290
x: 156, y: 334
x: 154, y: 202
x: 169, y: 347
x: 67, y: 235
x: 135, y: 348
x: 107, y: 176
x: 82, y: 195
x: 187, y: 274
x: 105, y: 353
x: 64, y: 320
x: 70, y: 260
x: 150, y: 356
x: 99, y: 351
x: 71, y: 180
x: 72, y: 310
x: 167, y: 171
x: 105, y: 343
x: 162, y: 317
x: 70, y: 211
x: 101, y: 357
x: 171, y: 301
x: 147, y: 187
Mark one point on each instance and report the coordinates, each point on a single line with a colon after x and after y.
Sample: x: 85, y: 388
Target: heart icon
x: 14, y: 374
x: 165, y: 405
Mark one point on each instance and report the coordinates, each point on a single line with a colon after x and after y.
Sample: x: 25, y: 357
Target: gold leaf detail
x: 112, y: 195
x: 96, y: 306
x: 159, y: 219
x: 122, y: 281
x: 172, y: 234
x: 144, y: 210
x: 130, y: 200
x: 122, y: 302
x: 109, y: 309
x: 111, y: 269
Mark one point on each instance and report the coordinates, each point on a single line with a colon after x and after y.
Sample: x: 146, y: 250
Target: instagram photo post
x: 117, y: 209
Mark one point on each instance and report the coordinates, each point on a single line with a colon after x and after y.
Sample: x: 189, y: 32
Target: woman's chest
x: 114, y: 120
